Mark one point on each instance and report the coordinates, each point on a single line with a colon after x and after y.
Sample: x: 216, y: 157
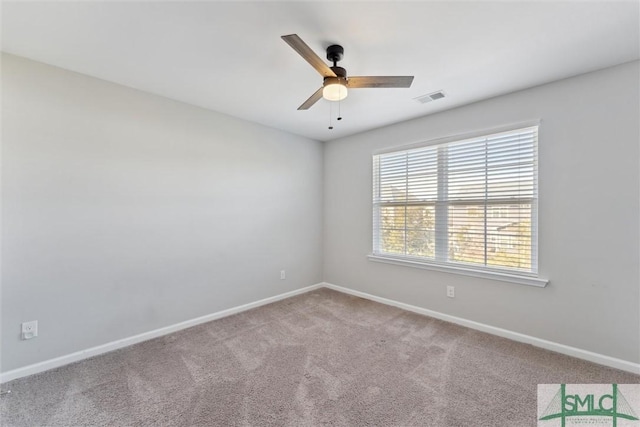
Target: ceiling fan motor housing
x: 341, y: 78
x: 340, y: 72
x: 335, y: 52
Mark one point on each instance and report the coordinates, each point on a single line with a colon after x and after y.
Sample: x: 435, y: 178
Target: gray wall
x: 588, y: 215
x: 124, y: 212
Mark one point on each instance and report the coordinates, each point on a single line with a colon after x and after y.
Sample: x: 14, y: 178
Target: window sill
x: 465, y: 271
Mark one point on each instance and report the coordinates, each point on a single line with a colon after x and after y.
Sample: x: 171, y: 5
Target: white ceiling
x: 228, y: 56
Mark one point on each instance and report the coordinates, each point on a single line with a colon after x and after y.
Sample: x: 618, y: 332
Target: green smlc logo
x: 613, y: 405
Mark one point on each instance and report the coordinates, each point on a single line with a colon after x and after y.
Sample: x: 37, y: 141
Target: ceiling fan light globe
x: 334, y: 92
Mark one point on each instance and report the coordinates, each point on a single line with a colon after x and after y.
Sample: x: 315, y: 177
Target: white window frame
x: 440, y: 261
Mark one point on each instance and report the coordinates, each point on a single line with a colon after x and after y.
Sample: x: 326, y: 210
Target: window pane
x: 422, y: 176
x: 392, y: 227
x: 514, y: 182
x: 421, y: 239
x: 509, y: 236
x: 393, y: 178
x: 392, y: 241
x: 466, y: 233
x: 465, y: 170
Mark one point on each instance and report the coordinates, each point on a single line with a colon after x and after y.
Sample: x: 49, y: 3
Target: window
x: 469, y: 203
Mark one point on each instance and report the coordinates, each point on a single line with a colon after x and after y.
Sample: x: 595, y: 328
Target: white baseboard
x: 125, y: 342
x: 515, y: 336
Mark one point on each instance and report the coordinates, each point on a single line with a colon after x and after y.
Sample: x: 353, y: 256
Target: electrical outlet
x: 29, y: 330
x: 451, y: 292
x: 283, y: 275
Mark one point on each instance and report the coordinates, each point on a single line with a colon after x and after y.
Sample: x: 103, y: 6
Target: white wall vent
x: 430, y: 97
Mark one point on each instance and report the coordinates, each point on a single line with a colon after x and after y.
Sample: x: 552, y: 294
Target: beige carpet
x: 322, y: 358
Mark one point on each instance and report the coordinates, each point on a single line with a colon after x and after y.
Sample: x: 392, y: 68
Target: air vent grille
x: 430, y: 97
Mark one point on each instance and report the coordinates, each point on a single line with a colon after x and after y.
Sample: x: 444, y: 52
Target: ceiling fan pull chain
x: 330, y: 124
x: 339, y: 114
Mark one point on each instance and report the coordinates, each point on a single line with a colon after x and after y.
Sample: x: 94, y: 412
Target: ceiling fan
x: 336, y: 82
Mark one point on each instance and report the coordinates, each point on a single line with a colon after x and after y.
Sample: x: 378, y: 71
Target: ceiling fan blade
x: 312, y: 100
x: 379, y: 81
x: 309, y: 55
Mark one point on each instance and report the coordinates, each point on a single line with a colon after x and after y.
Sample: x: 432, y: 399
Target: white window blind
x: 471, y: 202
